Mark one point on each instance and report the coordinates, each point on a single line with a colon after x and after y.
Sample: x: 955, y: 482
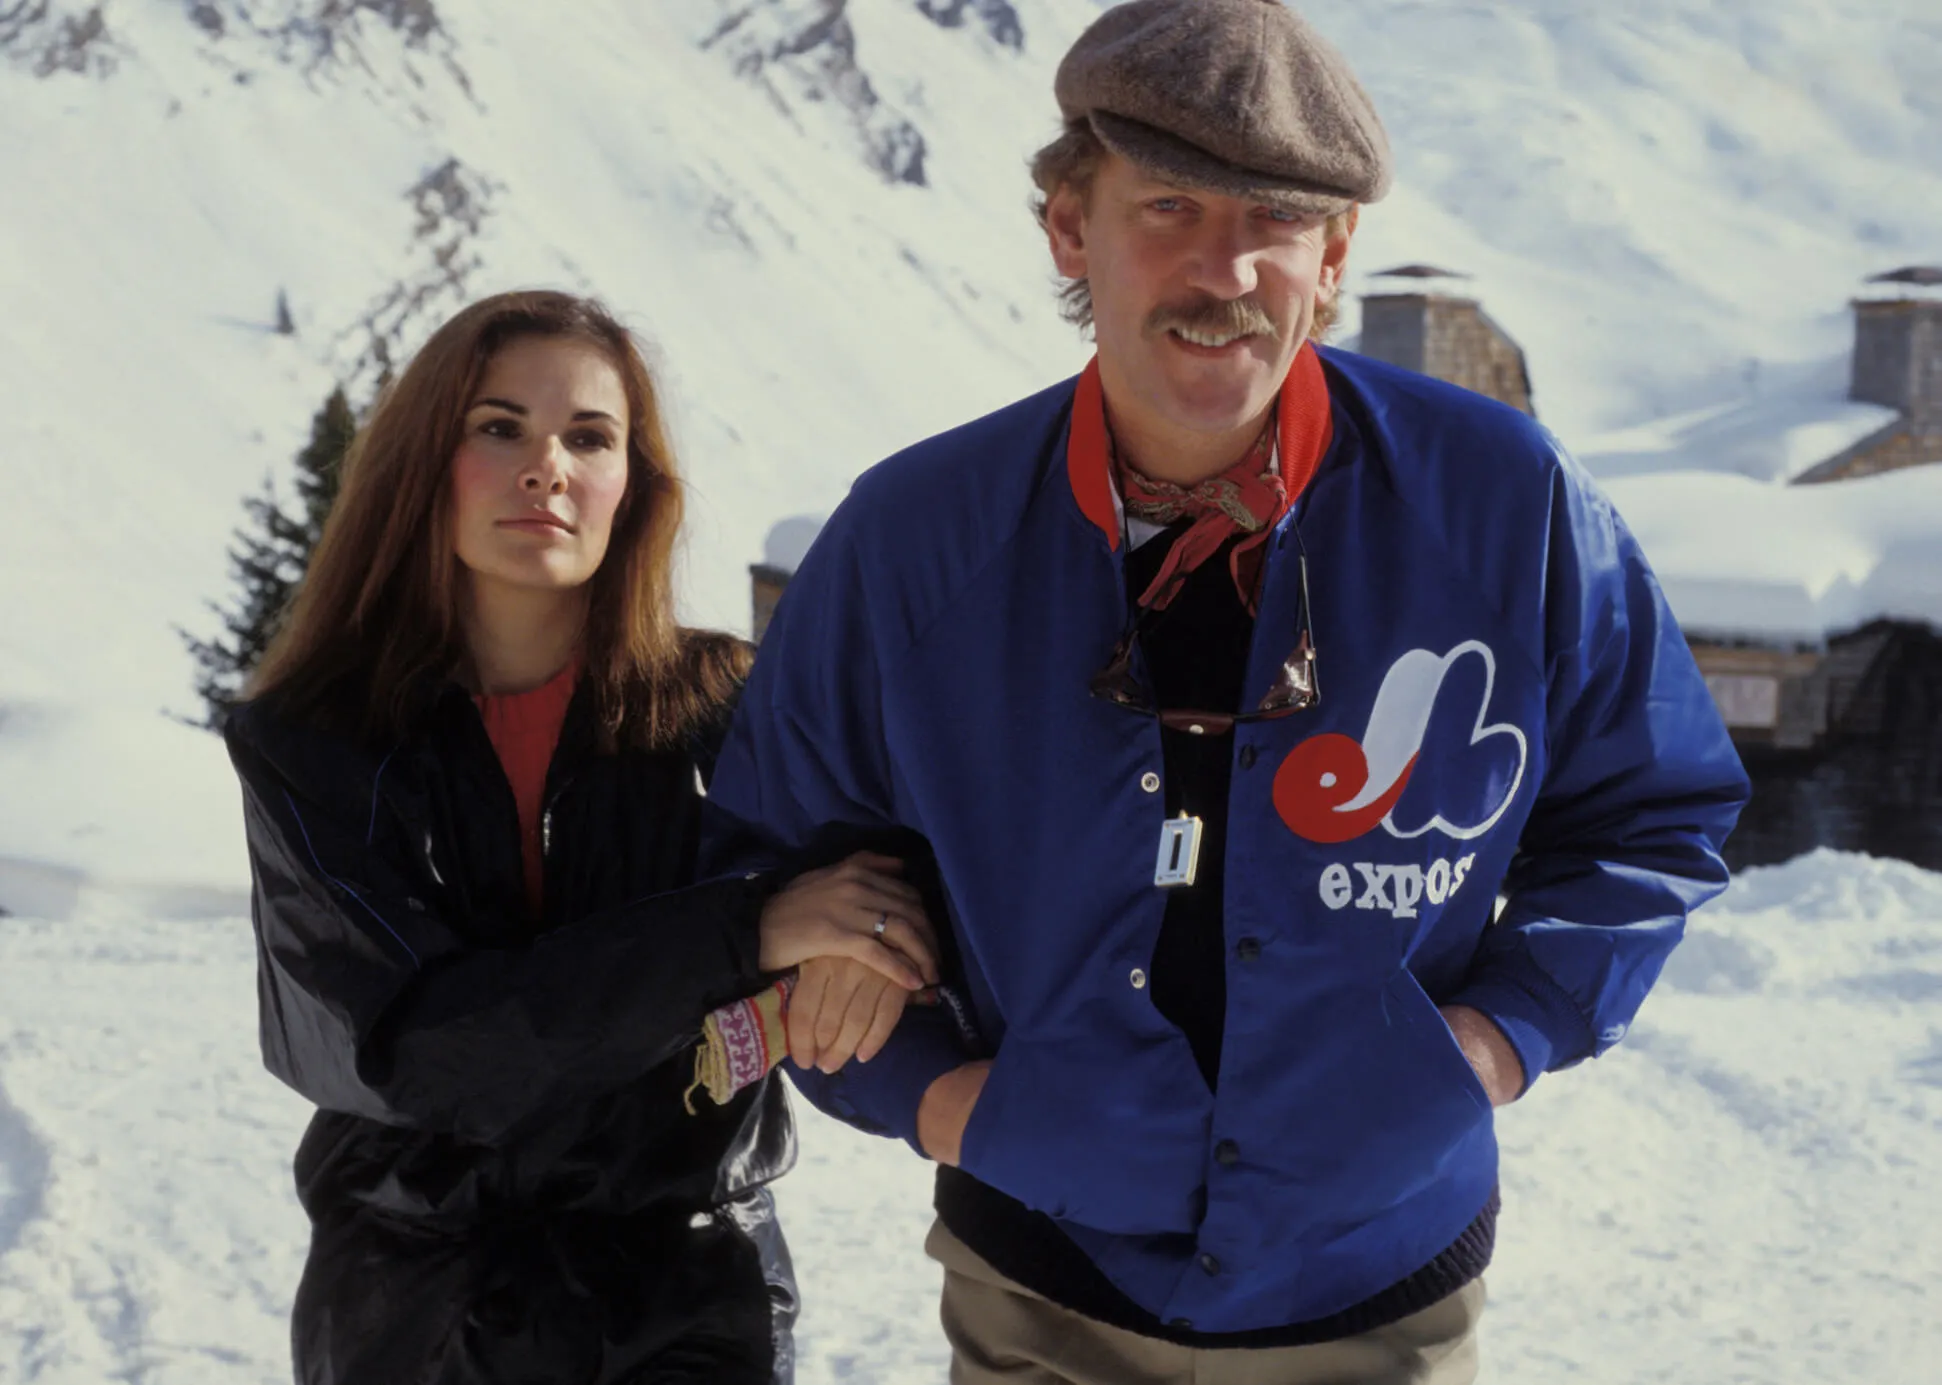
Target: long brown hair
x: 375, y: 624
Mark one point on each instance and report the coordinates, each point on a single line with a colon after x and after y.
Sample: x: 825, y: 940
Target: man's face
x: 1199, y: 300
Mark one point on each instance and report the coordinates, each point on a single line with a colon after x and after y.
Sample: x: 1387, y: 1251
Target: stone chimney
x: 1898, y: 344
x: 1421, y: 319
x: 1897, y: 364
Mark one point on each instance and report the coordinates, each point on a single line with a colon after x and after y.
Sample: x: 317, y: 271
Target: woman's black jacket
x: 473, y: 1065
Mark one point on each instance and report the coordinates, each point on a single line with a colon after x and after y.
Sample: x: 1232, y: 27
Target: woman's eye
x: 499, y: 428
x: 593, y: 442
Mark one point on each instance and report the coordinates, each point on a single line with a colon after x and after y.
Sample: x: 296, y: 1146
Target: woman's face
x: 543, y: 466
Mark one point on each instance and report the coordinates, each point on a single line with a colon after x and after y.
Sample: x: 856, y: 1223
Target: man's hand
x: 946, y: 1109
x: 841, y: 1008
x: 1490, y: 1053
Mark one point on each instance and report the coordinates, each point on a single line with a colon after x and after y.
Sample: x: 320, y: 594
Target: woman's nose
x: 547, y: 472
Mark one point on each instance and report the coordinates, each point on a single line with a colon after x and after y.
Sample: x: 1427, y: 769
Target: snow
x: 1903, y: 292
x: 1783, y: 428
x: 121, y: 796
x: 1741, y: 1191
x: 1668, y: 203
x: 788, y: 543
x: 1790, y: 564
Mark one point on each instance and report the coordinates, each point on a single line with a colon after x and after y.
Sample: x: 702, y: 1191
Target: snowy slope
x: 1655, y: 198
x: 1743, y: 1191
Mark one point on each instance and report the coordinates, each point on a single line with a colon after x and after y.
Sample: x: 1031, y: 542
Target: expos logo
x: 1333, y: 788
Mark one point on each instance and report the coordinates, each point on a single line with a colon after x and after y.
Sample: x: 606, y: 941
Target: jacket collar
x: 1306, y: 426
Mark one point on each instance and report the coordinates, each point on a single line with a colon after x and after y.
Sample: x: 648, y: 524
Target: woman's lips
x: 537, y: 524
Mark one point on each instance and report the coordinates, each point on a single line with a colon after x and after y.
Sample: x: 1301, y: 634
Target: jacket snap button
x: 1150, y: 782
x: 1248, y: 949
x: 1247, y: 757
x: 1138, y: 979
x: 1227, y: 1154
x: 1210, y: 1264
x: 1181, y: 1324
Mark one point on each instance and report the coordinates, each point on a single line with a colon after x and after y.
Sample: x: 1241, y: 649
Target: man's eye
x: 1281, y: 214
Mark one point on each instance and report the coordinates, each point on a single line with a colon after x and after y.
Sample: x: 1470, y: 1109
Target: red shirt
x: 525, y: 731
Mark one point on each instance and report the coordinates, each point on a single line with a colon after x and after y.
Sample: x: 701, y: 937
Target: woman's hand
x: 840, y: 1010
x: 857, y: 910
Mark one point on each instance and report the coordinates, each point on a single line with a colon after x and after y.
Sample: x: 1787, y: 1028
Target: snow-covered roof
x: 1749, y: 560
x: 1916, y: 283
x: 1927, y: 275
x: 1769, y: 438
x: 1419, y: 271
x: 1413, y: 280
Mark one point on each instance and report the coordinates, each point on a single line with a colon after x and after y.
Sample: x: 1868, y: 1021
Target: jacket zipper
x: 546, y: 882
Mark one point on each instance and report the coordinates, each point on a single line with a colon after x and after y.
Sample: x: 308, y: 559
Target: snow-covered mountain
x: 816, y: 211
x: 815, y: 208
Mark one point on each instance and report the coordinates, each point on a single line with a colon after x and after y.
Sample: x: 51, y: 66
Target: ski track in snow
x: 23, y: 1173
x: 1742, y: 1191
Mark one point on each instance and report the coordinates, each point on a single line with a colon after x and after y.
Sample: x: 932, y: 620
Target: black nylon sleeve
x: 373, y: 1004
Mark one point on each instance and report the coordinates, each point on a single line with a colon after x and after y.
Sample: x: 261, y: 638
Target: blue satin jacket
x: 1507, y: 709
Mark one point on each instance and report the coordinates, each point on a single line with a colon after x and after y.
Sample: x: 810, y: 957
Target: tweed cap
x: 1241, y: 97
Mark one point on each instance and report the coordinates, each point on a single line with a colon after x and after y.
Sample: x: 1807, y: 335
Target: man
x: 1231, y: 684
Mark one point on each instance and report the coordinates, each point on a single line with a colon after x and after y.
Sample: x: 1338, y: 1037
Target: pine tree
x: 267, y: 559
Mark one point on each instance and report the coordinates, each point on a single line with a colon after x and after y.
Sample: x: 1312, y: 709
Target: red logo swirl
x: 1318, y: 777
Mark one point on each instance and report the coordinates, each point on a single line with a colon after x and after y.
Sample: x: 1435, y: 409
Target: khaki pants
x: 1004, y: 1334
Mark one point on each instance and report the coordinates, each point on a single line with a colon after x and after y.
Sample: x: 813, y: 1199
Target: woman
x: 472, y: 766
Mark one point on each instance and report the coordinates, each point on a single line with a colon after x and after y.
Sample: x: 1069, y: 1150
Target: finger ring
x: 883, y: 923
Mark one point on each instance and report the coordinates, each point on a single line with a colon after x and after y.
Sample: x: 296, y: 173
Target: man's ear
x: 1065, y: 231
x: 1335, y: 260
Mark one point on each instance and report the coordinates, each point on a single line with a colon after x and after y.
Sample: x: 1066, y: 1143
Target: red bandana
x: 1251, y: 497
x: 1246, y: 498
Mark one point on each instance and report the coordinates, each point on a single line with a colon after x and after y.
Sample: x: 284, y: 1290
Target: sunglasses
x: 1294, y: 688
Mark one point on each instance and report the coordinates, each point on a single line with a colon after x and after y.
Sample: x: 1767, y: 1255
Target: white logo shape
x: 1401, y: 717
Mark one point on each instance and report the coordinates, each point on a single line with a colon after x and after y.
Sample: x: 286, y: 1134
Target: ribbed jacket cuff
x: 1542, y: 1022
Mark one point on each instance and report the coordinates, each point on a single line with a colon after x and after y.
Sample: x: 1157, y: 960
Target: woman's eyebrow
x: 583, y: 416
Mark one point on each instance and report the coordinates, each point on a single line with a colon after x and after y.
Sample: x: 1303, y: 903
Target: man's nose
x: 545, y: 472
x: 1223, y: 262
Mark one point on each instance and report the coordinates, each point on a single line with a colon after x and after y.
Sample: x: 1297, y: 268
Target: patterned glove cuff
x: 740, y: 1044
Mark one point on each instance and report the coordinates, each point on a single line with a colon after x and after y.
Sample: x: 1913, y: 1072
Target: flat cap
x: 1241, y: 97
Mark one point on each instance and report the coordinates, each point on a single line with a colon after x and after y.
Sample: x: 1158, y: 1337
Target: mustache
x: 1211, y: 316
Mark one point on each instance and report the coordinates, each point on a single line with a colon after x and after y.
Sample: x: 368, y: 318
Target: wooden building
x: 1844, y: 744
x: 1843, y: 740
x: 1422, y: 320
x: 766, y: 583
